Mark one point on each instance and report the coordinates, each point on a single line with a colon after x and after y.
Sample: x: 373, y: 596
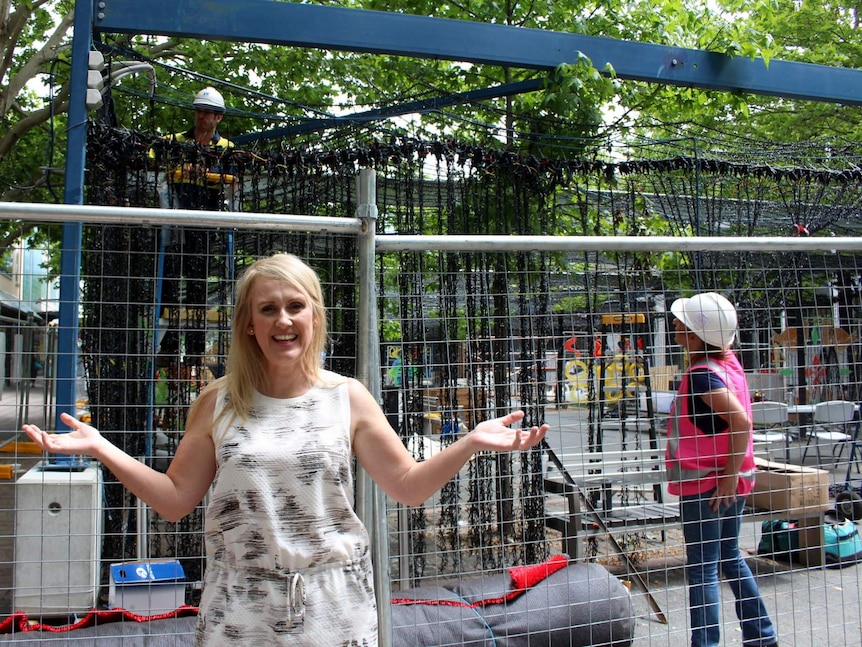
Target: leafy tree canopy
x: 267, y: 86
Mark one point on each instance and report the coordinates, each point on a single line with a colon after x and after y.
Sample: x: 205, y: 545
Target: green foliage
x: 826, y: 33
x: 580, y: 100
x: 390, y: 330
x: 580, y: 103
x: 576, y: 304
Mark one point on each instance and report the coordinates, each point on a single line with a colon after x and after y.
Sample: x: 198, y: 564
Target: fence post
x: 70, y: 262
x: 371, y: 500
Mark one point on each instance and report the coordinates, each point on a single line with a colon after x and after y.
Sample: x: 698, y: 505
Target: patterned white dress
x: 281, y: 505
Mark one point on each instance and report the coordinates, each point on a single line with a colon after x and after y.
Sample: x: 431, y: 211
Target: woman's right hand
x: 83, y: 439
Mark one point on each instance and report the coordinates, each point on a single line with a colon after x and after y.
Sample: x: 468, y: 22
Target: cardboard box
x: 147, y: 588
x: 812, y: 551
x: 791, y: 490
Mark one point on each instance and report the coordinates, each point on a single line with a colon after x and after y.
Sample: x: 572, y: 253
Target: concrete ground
x: 811, y: 607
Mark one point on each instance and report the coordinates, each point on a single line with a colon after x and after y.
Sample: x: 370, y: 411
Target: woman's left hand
x: 497, y: 435
x: 725, y: 491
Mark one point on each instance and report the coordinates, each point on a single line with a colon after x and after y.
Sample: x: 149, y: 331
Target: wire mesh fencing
x: 585, y: 342
x: 581, y: 339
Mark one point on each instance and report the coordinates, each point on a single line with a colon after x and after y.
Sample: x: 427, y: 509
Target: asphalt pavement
x: 811, y: 607
x: 20, y: 403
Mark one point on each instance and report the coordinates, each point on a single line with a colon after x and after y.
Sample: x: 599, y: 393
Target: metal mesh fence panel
x: 581, y: 339
x: 585, y: 341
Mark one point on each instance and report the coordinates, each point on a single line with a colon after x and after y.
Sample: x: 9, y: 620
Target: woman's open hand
x: 82, y: 440
x: 497, y: 434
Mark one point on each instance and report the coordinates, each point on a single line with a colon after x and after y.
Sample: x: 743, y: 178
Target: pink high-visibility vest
x: 694, y: 459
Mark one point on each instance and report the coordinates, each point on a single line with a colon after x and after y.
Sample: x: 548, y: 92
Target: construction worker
x: 194, y: 176
x: 200, y: 182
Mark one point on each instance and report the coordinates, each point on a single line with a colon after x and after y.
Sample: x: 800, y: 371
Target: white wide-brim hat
x: 710, y: 316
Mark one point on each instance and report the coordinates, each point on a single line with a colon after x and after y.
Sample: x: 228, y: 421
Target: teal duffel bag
x: 841, y: 541
x: 779, y: 539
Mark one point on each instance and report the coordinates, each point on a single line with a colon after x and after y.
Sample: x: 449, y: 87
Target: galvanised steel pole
x: 370, y: 499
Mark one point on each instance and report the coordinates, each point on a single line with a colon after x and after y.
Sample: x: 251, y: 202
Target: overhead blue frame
x: 420, y: 106
x: 360, y: 30
x: 66, y: 387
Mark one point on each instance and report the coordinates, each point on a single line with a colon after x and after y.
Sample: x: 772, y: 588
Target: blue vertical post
x: 70, y: 260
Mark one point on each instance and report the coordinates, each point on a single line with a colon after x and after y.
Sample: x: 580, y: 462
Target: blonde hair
x: 244, y: 371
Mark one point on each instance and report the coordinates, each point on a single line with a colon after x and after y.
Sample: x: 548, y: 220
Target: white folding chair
x: 770, y: 421
x: 827, y: 416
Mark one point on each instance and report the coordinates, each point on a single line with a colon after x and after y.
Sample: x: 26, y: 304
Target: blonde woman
x: 272, y: 441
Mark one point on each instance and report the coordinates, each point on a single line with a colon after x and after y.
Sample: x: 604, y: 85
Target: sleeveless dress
x: 288, y: 560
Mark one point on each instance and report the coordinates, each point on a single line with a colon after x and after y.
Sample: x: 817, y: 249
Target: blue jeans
x: 712, y: 538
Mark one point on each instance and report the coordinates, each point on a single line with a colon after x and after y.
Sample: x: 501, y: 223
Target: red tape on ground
x: 523, y: 578
x: 19, y: 622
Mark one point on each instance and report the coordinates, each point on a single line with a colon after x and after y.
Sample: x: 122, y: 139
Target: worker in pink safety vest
x: 710, y: 465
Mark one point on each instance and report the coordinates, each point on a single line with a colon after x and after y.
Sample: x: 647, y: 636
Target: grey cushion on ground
x: 414, y: 625
x: 578, y: 606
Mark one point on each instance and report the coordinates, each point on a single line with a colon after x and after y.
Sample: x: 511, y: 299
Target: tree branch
x: 11, y: 32
x: 18, y: 232
x: 31, y: 120
x: 32, y: 67
x: 160, y: 49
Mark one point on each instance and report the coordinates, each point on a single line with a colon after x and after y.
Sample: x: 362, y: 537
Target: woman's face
x: 684, y: 337
x: 282, y: 321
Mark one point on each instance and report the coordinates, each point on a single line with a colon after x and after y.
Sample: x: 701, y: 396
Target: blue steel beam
x: 361, y: 30
x: 70, y: 258
x: 421, y: 106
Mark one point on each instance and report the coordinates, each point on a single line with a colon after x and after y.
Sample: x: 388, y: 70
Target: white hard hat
x: 710, y: 316
x: 209, y: 99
